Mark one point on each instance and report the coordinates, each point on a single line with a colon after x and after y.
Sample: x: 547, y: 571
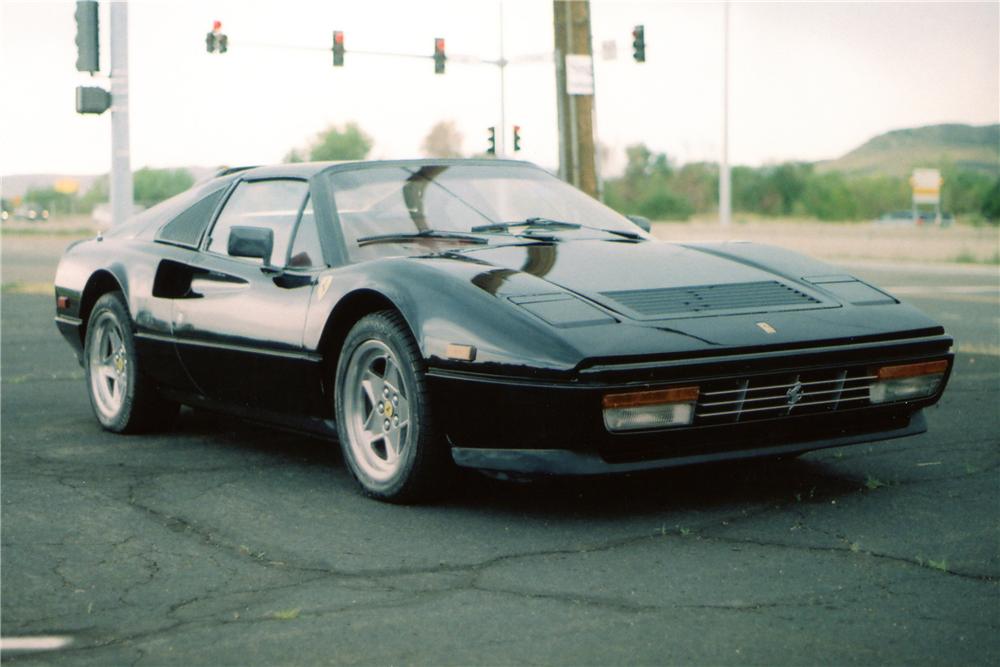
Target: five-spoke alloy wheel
x: 377, y: 410
x: 107, y: 359
x: 124, y: 400
x: 383, y: 412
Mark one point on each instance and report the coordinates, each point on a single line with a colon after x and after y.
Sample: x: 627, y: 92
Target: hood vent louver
x: 711, y: 299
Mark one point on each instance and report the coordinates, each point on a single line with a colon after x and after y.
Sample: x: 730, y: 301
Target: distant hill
x: 896, y: 153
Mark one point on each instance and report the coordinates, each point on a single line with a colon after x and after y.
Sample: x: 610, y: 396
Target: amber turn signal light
x: 912, y: 370
x: 655, y: 397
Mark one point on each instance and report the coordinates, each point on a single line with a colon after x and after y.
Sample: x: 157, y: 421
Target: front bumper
x: 555, y: 426
x: 569, y: 462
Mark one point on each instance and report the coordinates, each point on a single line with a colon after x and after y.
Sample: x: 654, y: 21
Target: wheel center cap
x: 119, y: 364
x: 388, y: 409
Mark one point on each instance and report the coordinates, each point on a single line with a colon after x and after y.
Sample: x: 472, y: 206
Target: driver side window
x: 271, y: 204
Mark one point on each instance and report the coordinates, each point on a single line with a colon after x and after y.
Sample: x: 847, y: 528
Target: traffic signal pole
x: 725, y: 190
x: 121, y: 163
x: 577, y: 154
x: 503, y: 91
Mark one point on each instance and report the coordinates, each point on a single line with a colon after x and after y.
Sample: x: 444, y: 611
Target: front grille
x: 710, y: 298
x: 777, y: 395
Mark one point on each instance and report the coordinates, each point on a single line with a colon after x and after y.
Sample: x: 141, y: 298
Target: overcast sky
x: 809, y: 80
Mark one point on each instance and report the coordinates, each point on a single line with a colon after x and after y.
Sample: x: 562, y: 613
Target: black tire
x: 137, y: 407
x: 421, y: 467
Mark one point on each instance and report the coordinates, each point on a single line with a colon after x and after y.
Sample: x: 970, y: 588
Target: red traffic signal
x: 338, y: 48
x: 439, y: 56
x: 639, y: 43
x: 215, y: 41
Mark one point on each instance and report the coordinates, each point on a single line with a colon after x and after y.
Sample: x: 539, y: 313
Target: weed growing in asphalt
x: 873, y: 483
x: 941, y: 565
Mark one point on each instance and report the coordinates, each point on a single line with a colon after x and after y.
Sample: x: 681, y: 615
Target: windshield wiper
x: 425, y: 234
x: 548, y: 223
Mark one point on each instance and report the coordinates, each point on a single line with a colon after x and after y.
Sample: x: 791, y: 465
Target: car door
x: 239, y: 334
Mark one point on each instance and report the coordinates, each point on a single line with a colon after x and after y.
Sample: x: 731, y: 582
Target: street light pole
x: 725, y: 196
x: 502, y: 148
x: 121, y: 167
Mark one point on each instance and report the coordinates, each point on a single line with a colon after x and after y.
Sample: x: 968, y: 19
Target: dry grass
x: 852, y: 241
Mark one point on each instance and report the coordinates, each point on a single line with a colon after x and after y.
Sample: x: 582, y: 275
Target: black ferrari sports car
x: 430, y: 314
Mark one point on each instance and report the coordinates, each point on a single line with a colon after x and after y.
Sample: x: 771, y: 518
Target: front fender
x: 442, y: 306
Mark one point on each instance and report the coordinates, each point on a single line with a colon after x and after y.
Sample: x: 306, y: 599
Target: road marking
x: 39, y: 643
x: 973, y: 348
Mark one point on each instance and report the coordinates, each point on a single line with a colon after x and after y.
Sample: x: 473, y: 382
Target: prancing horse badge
x: 766, y: 328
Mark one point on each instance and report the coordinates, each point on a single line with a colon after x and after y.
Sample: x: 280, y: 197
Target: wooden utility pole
x: 577, y: 160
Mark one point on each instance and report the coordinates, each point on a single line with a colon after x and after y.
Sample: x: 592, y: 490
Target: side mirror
x: 640, y: 222
x: 253, y: 242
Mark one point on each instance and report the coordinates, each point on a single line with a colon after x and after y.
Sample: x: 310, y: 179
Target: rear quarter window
x: 187, y: 227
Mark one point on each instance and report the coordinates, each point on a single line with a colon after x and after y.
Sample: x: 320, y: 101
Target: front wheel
x: 124, y: 401
x: 384, y: 418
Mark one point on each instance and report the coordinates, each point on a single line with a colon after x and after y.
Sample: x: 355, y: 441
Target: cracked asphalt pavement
x: 227, y: 543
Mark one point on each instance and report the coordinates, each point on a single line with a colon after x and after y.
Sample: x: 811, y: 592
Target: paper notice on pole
x: 579, y: 75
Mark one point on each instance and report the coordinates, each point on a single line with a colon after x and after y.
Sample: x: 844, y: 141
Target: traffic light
x: 215, y: 41
x: 338, y: 48
x: 439, y: 56
x: 517, y: 138
x: 639, y: 43
x: 492, y: 150
x: 87, y: 51
x: 91, y: 99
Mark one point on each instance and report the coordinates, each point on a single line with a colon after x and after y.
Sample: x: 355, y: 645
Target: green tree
x: 698, y: 183
x: 648, y: 187
x: 788, y: 181
x: 348, y: 142
x: 443, y: 140
x: 964, y: 190
x: 49, y: 199
x: 97, y: 194
x: 829, y: 197
x: 151, y: 186
x: 294, y: 155
x: 991, y: 203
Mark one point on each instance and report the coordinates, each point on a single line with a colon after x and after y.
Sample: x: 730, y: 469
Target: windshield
x: 412, y: 199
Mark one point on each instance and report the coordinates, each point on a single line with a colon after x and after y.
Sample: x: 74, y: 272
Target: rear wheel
x: 384, y: 418
x: 124, y: 401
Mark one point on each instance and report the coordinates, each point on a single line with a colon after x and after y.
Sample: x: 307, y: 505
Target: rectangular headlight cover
x: 648, y: 410
x: 907, y: 382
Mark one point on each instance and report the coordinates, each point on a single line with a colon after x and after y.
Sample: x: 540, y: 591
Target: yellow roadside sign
x: 926, y: 185
x: 67, y: 186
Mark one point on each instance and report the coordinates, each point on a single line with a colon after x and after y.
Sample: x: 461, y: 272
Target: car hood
x: 576, y: 301
x: 652, y: 280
